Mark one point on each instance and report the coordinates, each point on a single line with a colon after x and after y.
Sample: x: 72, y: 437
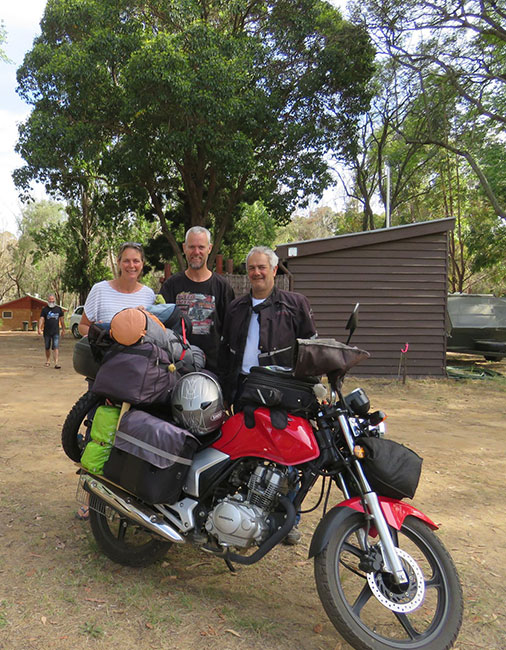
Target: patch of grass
x: 92, y: 630
x: 161, y: 617
x: 186, y: 601
x: 254, y: 624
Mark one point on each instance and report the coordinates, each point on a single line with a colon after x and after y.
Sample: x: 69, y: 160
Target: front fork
x: 391, y: 560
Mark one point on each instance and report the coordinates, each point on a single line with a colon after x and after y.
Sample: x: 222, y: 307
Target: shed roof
x: 365, y: 238
x: 12, y: 303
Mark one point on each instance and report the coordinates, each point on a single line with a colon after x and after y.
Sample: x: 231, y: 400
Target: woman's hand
x: 84, y: 325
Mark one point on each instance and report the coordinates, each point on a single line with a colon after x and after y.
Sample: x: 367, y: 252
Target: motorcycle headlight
x: 358, y: 402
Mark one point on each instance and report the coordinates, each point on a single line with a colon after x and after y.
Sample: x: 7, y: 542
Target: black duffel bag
x: 392, y: 469
x: 279, y: 391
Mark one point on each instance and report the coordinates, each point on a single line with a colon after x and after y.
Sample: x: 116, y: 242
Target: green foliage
x: 493, y: 161
x: 254, y: 227
x: 436, y: 119
x: 3, y: 39
x: 448, y: 90
x: 25, y: 271
x: 89, y: 255
x: 92, y: 630
x: 322, y: 222
x: 191, y: 108
x: 485, y: 238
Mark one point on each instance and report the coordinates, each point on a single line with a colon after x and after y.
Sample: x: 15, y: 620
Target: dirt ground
x: 58, y: 592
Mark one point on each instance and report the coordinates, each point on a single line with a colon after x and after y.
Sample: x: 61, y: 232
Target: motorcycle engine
x: 241, y: 521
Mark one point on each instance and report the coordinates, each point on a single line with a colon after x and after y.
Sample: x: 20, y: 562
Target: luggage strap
x: 154, y: 450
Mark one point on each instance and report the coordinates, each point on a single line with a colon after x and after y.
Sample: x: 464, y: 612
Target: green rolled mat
x: 105, y: 423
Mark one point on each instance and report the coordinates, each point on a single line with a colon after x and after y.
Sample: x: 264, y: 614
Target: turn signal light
x: 377, y: 417
x: 359, y: 451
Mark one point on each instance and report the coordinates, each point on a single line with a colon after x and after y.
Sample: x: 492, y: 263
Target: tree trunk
x: 155, y: 202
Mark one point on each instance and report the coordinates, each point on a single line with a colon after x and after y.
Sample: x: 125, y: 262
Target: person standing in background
x: 50, y: 322
x: 200, y: 293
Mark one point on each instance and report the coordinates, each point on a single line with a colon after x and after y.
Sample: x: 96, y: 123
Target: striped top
x: 103, y: 301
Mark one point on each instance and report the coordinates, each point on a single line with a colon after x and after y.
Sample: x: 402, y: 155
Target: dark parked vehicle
x: 477, y: 325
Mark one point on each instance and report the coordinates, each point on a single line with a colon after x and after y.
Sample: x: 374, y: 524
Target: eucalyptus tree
x: 188, y: 109
x: 384, y: 166
x: 451, y: 55
x: 23, y: 269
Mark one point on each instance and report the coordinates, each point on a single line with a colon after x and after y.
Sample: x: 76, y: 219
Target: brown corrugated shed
x: 398, y: 275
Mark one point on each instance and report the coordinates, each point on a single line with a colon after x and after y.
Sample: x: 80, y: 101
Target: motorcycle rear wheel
x: 77, y: 425
x: 361, y: 618
x: 123, y: 541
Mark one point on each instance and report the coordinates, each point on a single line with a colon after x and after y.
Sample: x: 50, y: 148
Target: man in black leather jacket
x: 260, y: 324
x: 258, y: 327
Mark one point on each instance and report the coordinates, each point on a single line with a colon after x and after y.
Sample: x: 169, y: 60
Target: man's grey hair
x: 198, y: 230
x: 265, y: 250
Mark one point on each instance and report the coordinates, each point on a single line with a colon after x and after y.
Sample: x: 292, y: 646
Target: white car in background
x: 75, y: 319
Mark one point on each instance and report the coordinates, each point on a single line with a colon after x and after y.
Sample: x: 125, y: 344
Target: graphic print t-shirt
x: 51, y: 316
x: 205, y: 303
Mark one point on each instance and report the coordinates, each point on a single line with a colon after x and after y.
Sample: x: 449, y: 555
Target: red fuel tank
x: 290, y: 446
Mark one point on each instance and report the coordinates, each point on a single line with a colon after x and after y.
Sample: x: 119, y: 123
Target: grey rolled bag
x: 150, y: 457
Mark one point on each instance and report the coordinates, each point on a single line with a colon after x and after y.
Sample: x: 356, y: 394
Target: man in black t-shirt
x: 50, y: 321
x: 201, y: 294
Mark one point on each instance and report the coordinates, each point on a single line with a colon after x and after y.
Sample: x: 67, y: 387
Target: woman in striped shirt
x: 108, y: 297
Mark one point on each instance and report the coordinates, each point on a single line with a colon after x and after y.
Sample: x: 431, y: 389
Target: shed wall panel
x: 401, y: 287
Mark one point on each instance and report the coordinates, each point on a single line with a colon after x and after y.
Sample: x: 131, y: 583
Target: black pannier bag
x: 83, y: 359
x: 150, y: 457
x: 279, y: 391
x: 137, y: 374
x: 392, y: 469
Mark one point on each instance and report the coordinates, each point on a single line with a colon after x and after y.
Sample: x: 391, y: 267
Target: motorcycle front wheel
x: 373, y: 613
x: 123, y: 541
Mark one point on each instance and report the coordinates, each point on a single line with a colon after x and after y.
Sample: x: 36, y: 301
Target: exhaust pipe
x: 133, y: 510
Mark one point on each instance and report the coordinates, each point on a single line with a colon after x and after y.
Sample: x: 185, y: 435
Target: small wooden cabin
x: 21, y: 313
x: 398, y: 275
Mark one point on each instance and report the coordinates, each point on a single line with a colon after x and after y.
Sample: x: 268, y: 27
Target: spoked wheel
x: 77, y: 425
x: 372, y: 612
x: 121, y: 540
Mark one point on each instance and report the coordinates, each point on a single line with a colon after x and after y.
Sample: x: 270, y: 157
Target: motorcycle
x: 384, y: 578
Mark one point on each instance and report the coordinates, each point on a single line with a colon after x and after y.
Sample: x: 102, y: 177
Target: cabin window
x: 6, y: 314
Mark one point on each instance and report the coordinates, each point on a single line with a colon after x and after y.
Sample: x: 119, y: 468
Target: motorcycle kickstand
x: 230, y: 565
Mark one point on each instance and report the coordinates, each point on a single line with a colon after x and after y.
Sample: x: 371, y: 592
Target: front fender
x: 395, y: 512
